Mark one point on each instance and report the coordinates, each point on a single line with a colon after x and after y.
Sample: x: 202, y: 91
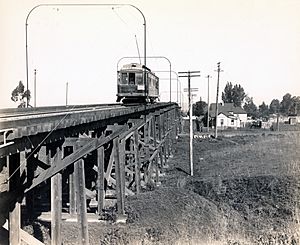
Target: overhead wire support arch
x: 78, y: 5
x: 174, y: 72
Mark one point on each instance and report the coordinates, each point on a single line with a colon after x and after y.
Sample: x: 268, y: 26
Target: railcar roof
x: 132, y: 66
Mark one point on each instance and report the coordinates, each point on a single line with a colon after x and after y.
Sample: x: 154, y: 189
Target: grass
x: 254, y: 181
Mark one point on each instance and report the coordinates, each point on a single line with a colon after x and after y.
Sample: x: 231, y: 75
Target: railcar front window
x: 131, y: 78
x: 124, y: 78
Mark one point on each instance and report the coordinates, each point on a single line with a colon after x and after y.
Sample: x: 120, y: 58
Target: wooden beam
x: 68, y: 150
x: 81, y: 202
x: 72, y: 195
x: 122, y: 169
x: 127, y: 191
x: 164, y: 147
x: 137, y: 162
x: 100, y: 179
x: 13, y: 163
x: 30, y: 196
x: 146, y: 139
x: 119, y: 181
x: 40, y: 163
x: 146, y: 145
x: 56, y: 200
x: 110, y: 165
x: 168, y: 152
x: 24, y: 236
x: 159, y: 123
x: 28, y: 239
x: 79, y: 153
x: 140, y: 123
x: 155, y: 143
x: 90, y: 194
x: 71, y: 141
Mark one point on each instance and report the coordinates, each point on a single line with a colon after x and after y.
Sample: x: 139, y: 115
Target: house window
x: 222, y: 121
x: 232, y: 121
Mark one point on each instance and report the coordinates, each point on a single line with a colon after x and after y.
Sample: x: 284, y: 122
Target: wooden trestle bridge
x: 79, y: 153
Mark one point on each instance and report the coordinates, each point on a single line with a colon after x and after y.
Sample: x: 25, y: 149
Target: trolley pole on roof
x: 190, y: 74
x: 78, y: 5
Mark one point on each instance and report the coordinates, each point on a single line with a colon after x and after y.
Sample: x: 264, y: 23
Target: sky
x: 256, y: 41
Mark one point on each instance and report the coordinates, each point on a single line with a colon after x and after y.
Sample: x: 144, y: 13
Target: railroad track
x: 18, y: 126
x: 28, y: 113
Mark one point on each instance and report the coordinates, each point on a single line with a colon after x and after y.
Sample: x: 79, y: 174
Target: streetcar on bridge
x: 132, y: 87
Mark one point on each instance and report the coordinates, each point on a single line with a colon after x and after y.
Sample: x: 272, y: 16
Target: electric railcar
x: 131, y: 86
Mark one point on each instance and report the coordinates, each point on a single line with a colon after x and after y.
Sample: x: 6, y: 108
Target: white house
x: 229, y: 116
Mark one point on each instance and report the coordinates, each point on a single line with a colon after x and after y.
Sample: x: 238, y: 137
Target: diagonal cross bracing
x: 60, y: 164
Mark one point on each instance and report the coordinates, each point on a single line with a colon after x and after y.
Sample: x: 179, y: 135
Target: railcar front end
x: 131, y: 86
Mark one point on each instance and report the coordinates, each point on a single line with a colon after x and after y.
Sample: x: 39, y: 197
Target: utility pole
x: 218, y: 70
x: 190, y: 74
x: 208, y: 76
x: 34, y: 87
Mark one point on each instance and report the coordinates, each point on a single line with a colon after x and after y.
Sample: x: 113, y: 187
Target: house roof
x: 227, y: 109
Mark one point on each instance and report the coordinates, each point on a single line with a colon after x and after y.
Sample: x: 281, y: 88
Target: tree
x: 250, y: 107
x: 263, y: 110
x: 227, y: 95
x: 239, y: 95
x: 286, y: 104
x: 274, y: 106
x: 295, y: 107
x: 19, y: 94
x: 199, y: 108
x: 233, y: 94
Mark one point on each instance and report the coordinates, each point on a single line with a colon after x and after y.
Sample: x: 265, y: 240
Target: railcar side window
x: 156, y: 84
x: 139, y: 78
x: 150, y: 77
x: 124, y: 78
x: 131, y: 78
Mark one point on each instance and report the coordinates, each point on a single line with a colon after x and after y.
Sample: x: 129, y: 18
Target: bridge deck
x: 37, y: 123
